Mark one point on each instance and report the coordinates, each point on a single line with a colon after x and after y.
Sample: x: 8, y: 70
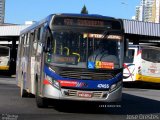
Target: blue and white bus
x: 72, y: 57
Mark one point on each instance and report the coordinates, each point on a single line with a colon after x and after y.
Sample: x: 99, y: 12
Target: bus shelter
x: 142, y: 32
x: 9, y: 36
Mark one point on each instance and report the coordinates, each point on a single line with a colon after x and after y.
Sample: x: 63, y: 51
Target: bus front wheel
x: 41, y: 102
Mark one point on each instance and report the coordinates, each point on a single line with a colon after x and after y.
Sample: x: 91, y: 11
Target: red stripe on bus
x: 67, y: 83
x: 46, y: 82
x: 139, y: 52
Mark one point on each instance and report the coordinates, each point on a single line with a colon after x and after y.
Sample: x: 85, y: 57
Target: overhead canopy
x: 11, y: 30
x: 141, y: 28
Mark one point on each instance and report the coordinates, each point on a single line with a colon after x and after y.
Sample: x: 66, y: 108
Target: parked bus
x: 142, y: 64
x: 7, y: 62
x: 4, y: 58
x: 72, y: 57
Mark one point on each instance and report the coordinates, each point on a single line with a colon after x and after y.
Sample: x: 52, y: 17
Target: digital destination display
x: 86, y: 22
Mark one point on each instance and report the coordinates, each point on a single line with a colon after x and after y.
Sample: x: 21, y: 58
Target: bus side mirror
x: 126, y: 44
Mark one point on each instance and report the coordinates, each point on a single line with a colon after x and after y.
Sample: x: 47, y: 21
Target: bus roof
x: 86, y: 15
x: 48, y: 18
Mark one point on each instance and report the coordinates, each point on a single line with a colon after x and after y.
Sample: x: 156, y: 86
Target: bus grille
x: 95, y: 94
x: 85, y: 75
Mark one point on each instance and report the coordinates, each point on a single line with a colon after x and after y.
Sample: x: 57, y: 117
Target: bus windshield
x: 84, y: 50
x: 130, y: 57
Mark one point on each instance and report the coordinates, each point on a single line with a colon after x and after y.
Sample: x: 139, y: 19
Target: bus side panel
x: 31, y: 65
x: 18, y: 66
x: 149, y: 68
x: 130, y: 69
x: 150, y: 71
x: 20, y: 61
x: 39, y: 59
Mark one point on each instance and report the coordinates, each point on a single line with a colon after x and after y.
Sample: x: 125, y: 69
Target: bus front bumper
x: 81, y: 95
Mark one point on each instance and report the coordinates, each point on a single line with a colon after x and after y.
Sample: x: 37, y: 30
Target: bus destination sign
x: 82, y: 22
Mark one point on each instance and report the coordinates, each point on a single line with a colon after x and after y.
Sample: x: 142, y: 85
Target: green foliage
x: 84, y: 10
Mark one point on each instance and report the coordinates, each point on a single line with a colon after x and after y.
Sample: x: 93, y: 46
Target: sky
x: 19, y: 11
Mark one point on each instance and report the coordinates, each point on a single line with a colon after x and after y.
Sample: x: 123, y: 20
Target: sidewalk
x: 7, y: 80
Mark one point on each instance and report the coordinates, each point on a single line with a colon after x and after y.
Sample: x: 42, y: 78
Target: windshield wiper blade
x: 105, y: 34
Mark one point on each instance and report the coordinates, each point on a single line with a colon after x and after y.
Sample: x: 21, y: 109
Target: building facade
x: 2, y: 11
x: 157, y: 11
x: 148, y: 11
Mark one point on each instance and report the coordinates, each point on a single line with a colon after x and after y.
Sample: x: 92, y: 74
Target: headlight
x: 49, y: 79
x: 115, y: 86
x: 56, y: 84
x: 53, y: 82
x: 112, y: 87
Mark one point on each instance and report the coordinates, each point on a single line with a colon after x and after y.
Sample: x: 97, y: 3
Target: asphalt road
x: 143, y: 104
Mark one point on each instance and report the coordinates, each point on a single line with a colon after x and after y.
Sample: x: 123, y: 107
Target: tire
x: 41, y: 102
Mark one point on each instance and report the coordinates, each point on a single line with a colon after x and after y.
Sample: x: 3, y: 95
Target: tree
x: 84, y: 10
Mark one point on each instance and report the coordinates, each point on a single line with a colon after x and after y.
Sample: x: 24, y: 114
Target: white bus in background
x: 4, y: 58
x: 142, y: 64
x: 8, y: 54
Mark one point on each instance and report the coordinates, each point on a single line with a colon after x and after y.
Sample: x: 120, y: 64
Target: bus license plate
x: 84, y: 94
